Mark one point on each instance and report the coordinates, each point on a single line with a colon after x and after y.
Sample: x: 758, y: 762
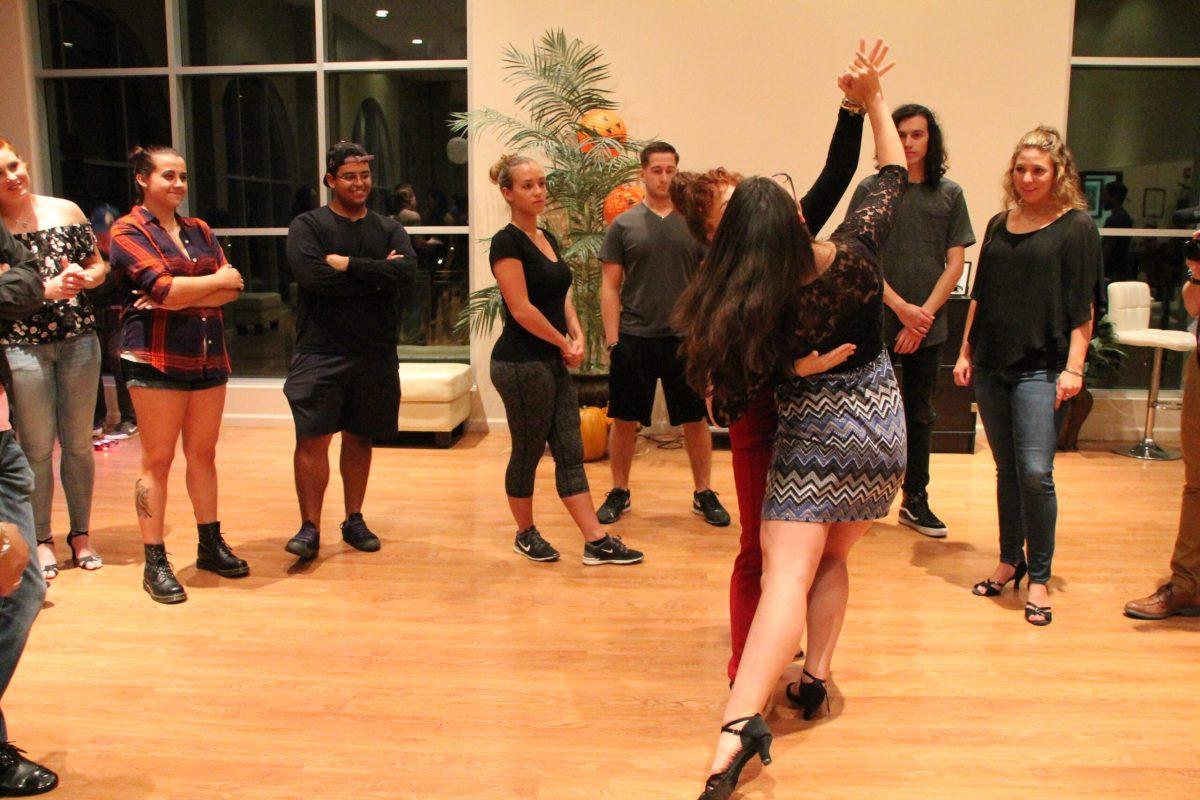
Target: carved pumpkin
x: 601, y: 122
x: 622, y: 199
x: 593, y: 427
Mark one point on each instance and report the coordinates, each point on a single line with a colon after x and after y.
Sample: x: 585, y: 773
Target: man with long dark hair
x: 922, y: 263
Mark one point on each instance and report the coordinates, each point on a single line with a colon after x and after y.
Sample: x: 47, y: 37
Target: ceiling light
x: 418, y: 41
x: 382, y: 13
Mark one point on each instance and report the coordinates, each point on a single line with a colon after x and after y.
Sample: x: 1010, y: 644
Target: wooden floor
x: 445, y: 666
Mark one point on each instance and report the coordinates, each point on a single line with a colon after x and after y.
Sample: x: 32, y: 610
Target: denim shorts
x: 144, y: 376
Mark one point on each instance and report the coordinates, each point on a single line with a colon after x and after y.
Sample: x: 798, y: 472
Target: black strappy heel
x: 809, y: 696
x: 1032, y: 610
x: 991, y: 588
x: 87, y: 563
x: 756, y: 740
x: 49, y: 571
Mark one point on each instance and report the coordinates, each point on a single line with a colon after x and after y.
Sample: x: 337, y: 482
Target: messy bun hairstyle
x: 694, y: 193
x: 1067, y: 191
x: 501, y: 171
x: 141, y: 159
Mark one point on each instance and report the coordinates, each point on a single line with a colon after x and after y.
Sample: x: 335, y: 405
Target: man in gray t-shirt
x: 648, y: 256
x: 922, y: 263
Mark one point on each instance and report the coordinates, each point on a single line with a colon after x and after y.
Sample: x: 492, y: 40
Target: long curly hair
x: 936, y: 159
x: 693, y: 194
x: 1067, y: 190
x: 738, y: 314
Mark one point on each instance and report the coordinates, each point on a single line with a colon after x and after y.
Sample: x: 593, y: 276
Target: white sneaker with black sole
x: 915, y: 514
x: 609, y: 550
x: 529, y: 543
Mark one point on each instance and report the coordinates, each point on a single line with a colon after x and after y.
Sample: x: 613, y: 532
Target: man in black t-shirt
x: 349, y: 263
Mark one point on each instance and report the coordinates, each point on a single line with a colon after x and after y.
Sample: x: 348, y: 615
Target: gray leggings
x: 540, y: 401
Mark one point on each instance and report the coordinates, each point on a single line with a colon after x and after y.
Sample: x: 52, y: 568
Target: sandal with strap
x: 809, y: 695
x: 49, y: 571
x: 991, y: 587
x: 755, y: 738
x: 1032, y: 611
x: 86, y: 563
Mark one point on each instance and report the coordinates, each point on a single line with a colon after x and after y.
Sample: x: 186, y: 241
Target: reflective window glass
x: 430, y: 29
x: 90, y: 34
x: 1147, y: 28
x: 216, y: 32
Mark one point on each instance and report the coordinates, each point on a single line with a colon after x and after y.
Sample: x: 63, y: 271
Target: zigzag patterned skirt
x: 840, y: 446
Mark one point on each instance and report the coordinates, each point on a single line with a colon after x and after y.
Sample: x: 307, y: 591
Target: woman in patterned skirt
x: 839, y: 450
x: 54, y: 357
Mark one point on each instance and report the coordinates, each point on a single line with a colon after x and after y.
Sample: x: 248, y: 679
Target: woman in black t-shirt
x: 1024, y: 346
x: 541, y: 338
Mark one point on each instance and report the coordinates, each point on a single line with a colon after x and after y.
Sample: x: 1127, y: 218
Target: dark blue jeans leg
x: 18, y: 610
x: 994, y: 395
x: 1036, y: 423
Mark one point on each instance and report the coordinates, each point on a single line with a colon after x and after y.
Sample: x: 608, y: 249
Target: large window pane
x: 1142, y: 125
x: 415, y: 30
x: 401, y: 117
x: 1145, y: 28
x: 102, y: 33
x: 216, y: 32
x: 253, y: 141
x: 93, y: 124
x: 1158, y: 262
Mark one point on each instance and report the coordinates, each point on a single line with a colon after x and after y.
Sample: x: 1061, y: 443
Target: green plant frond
x: 480, y: 312
x: 513, y: 131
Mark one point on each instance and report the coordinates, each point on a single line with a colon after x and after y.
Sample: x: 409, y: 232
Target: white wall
x: 18, y: 109
x: 750, y: 84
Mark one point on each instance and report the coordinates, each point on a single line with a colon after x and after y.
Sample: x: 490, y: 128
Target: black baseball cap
x: 344, y: 152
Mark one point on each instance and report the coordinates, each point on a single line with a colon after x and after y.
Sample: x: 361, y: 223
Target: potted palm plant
x: 567, y: 118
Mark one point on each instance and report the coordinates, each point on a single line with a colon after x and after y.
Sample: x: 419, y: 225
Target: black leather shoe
x: 356, y: 534
x: 158, y: 579
x: 20, y: 777
x: 214, y: 555
x: 306, y: 543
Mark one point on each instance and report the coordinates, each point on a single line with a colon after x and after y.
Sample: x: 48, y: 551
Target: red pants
x: 751, y: 439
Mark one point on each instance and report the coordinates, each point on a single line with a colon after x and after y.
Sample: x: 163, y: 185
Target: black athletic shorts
x: 637, y: 363
x: 356, y: 393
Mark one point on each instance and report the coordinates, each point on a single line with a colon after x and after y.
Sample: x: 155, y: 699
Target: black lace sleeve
x: 871, y: 222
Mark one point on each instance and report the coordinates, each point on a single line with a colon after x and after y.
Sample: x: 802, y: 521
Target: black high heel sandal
x: 49, y: 571
x: 991, y: 588
x: 809, y: 696
x: 1032, y: 610
x: 87, y: 563
x: 756, y: 740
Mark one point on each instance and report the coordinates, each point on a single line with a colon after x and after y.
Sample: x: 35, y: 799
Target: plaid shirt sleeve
x: 132, y: 252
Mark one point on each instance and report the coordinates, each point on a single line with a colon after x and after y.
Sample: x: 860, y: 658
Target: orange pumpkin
x: 593, y: 427
x: 601, y: 122
x: 622, y: 199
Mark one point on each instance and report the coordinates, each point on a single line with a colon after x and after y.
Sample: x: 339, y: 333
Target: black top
x: 20, y: 285
x: 1031, y: 290
x: 547, y: 283
x: 353, y: 311
x: 841, y: 162
x: 845, y: 303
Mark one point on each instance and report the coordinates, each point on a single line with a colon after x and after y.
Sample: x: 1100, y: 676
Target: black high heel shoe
x: 809, y: 696
x: 87, y: 563
x: 756, y: 740
x: 991, y: 588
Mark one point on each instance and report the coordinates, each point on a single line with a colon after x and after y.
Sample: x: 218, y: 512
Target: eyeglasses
x: 785, y: 180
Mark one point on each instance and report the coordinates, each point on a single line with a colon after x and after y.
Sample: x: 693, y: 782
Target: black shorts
x: 330, y: 393
x: 637, y: 363
x: 139, y: 375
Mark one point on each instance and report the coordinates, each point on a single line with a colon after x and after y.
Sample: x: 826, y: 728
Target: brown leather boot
x: 1168, y: 601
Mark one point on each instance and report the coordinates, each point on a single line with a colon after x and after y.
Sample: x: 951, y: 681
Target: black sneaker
x: 356, y: 534
x: 609, y: 550
x: 124, y: 431
x: 529, y: 543
x: 615, y: 504
x: 915, y: 513
x: 708, y: 506
x: 20, y: 777
x: 306, y: 543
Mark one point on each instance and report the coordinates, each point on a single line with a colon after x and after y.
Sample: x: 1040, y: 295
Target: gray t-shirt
x: 930, y: 220
x: 658, y: 256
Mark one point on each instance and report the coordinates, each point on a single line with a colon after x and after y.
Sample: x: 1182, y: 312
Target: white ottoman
x: 434, y: 398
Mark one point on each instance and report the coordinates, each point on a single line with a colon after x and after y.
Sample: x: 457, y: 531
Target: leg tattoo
x: 141, y: 499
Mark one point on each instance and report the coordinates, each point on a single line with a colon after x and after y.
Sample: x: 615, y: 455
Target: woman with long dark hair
x: 1024, y: 346
x: 174, y: 359
x: 839, y: 450
x: 54, y: 357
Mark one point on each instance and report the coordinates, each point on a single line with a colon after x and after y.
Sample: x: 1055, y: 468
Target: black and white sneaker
x: 125, y: 430
x: 609, y: 550
x: 915, y: 514
x: 356, y: 534
x: 529, y: 543
x: 708, y: 506
x: 615, y: 504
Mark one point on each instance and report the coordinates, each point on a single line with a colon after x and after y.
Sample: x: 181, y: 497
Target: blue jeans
x: 18, y: 610
x: 1022, y: 429
x: 54, y: 397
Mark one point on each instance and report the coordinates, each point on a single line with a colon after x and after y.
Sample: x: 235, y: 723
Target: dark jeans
x: 1022, y: 429
x: 108, y: 329
x: 918, y: 375
x: 18, y: 610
